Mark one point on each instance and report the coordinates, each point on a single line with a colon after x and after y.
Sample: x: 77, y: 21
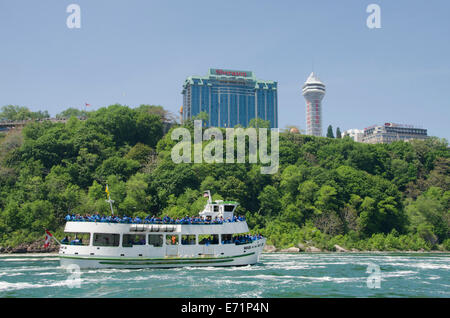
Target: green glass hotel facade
x: 230, y: 98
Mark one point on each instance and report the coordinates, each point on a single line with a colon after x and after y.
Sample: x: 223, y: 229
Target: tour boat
x: 215, y: 238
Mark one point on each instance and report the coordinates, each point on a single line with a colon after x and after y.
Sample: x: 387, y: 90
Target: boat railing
x: 128, y: 220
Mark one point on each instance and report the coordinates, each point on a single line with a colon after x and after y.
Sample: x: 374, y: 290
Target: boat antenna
x: 109, y: 199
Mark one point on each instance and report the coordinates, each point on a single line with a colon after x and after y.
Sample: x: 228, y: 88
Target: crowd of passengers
x: 150, y: 220
x: 243, y: 239
x: 77, y: 241
x: 240, y: 239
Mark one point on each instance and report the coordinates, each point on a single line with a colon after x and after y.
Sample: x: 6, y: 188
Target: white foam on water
x: 203, y: 268
x: 332, y: 279
x: 45, y: 274
x: 422, y: 265
x: 10, y: 274
x: 28, y: 269
x: 397, y: 274
x: 431, y: 266
x: 272, y: 277
x: 232, y: 281
x: 294, y: 267
x: 109, y: 270
x: 434, y: 277
x: 29, y: 259
x: 251, y: 294
x: 23, y: 285
x: 14, y: 286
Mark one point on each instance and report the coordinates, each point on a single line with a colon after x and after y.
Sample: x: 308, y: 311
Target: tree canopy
x: 330, y: 132
x: 328, y: 191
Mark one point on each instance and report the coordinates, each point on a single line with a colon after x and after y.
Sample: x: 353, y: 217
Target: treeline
x: 327, y: 191
x: 19, y: 113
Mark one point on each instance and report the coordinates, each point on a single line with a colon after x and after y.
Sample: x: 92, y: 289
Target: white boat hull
x: 224, y: 255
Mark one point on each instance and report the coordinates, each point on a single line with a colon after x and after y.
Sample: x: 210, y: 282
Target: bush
x: 446, y: 245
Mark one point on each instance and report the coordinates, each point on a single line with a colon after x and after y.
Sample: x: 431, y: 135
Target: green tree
x: 431, y: 212
x: 269, y: 201
x: 330, y: 132
x: 259, y: 123
x: 121, y: 167
x: 140, y: 152
x: 72, y: 112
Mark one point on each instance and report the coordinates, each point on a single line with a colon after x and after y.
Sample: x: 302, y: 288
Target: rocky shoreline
x: 304, y: 248
x: 35, y: 247
x: 301, y: 248
x: 38, y: 247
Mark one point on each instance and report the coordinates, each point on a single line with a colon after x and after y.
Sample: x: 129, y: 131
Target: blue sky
x: 140, y: 52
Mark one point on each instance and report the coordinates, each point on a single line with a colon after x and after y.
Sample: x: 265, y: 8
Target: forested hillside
x: 327, y: 191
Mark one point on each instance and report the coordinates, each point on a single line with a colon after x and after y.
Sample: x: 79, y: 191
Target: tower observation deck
x: 313, y: 91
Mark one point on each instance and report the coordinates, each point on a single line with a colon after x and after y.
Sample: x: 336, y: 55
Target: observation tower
x: 313, y: 91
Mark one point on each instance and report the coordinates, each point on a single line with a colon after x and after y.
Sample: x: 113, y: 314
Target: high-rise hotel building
x: 313, y: 91
x: 230, y: 98
x: 390, y: 132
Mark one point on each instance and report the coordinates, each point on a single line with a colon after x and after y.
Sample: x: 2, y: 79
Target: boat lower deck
x: 219, y: 255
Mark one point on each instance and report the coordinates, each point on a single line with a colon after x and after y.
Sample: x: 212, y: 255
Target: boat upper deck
x: 185, y: 228
x: 216, y: 218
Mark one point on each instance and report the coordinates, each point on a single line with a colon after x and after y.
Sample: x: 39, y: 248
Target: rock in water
x: 19, y: 249
x: 301, y: 247
x: 313, y: 249
x: 290, y: 250
x: 340, y: 248
x: 269, y: 249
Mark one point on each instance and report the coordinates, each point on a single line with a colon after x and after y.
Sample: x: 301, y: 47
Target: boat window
x: 76, y: 239
x: 171, y: 239
x: 106, y: 239
x: 216, y: 208
x: 155, y: 240
x: 133, y: 239
x: 208, y: 239
x: 227, y: 238
x: 229, y: 208
x: 188, y: 239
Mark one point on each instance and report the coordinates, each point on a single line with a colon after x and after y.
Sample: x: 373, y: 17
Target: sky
x: 140, y: 52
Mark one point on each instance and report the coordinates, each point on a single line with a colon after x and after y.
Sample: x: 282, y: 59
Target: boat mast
x: 209, y: 196
x: 109, y: 199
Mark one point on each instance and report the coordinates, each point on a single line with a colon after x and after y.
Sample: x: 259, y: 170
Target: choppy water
x: 277, y: 275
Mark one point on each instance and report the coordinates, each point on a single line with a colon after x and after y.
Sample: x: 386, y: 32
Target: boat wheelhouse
x: 216, y: 238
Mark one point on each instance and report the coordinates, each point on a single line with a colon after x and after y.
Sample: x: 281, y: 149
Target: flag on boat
x: 206, y: 194
x: 87, y: 104
x: 48, y: 237
x: 107, y: 191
